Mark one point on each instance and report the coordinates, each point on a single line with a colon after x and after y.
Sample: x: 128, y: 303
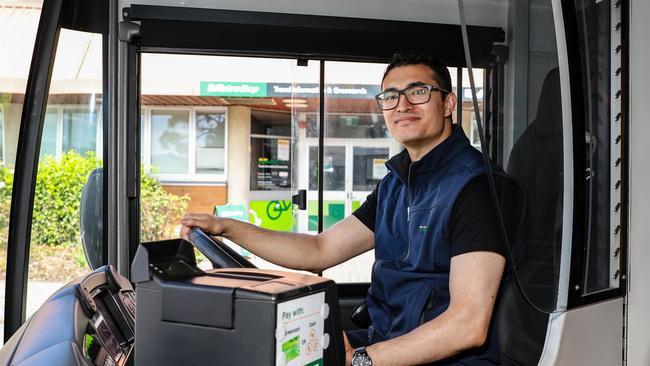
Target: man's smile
x: 405, y: 119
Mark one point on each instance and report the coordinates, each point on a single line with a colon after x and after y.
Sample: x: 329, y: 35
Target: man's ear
x: 450, y: 104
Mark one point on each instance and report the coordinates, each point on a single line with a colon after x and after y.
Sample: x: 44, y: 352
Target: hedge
x: 57, y: 197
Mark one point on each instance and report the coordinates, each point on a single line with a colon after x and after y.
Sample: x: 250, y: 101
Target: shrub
x: 6, y: 182
x: 160, y: 212
x: 59, y: 184
x: 57, y: 197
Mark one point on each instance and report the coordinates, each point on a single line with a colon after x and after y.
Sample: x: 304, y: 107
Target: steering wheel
x: 220, y: 254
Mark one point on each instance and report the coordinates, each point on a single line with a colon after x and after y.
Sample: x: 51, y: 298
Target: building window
x: 49, y: 139
x: 369, y: 167
x: 185, y: 144
x: 79, y: 130
x: 210, y: 143
x: 71, y: 128
x: 270, y: 163
x: 169, y: 141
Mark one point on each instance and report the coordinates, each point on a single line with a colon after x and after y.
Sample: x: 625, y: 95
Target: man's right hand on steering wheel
x: 210, y: 224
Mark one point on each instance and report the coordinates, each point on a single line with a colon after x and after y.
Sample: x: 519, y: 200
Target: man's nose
x: 403, y: 104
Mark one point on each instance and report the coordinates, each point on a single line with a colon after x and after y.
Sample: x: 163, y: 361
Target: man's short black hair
x: 440, y: 72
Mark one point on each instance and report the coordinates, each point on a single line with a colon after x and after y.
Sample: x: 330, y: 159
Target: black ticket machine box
x: 230, y: 316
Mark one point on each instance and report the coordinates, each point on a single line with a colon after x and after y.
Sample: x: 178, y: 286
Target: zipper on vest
x: 408, y: 194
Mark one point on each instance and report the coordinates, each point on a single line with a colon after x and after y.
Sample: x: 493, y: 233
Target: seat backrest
x: 536, y: 163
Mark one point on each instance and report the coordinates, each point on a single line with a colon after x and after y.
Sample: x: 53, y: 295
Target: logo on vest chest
x: 422, y: 228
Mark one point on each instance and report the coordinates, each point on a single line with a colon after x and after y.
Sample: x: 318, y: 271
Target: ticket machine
x: 230, y: 316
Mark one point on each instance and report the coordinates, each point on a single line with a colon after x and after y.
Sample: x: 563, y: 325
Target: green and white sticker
x: 300, y: 328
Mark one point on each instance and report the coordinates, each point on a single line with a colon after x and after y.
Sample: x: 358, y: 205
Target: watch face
x: 361, y: 358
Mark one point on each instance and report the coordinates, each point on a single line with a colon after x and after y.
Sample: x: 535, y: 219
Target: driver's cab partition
x: 187, y: 315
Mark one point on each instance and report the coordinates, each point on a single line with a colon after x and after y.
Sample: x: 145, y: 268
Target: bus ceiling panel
x: 487, y: 13
x: 305, y: 36
x: 85, y: 15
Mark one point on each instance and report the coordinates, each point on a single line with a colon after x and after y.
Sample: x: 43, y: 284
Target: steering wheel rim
x: 220, y: 254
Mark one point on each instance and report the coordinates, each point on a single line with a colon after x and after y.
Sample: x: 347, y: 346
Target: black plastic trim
x: 133, y: 150
x: 459, y: 95
x: 305, y: 36
x: 576, y: 297
x: 85, y: 15
x: 353, y: 289
x: 625, y: 174
x: 107, y: 104
x: 110, y: 121
x: 321, y: 144
x: 578, y: 246
x: 29, y: 141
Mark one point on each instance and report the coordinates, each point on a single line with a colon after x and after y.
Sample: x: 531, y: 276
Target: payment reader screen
x: 300, y: 335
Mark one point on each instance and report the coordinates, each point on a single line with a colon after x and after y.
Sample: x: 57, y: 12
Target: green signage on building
x: 272, y: 215
x: 230, y: 89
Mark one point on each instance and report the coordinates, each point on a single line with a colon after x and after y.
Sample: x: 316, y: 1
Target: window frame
x: 576, y: 283
x: 191, y: 178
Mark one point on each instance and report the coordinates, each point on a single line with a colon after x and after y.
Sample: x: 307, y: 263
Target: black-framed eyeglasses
x: 414, y: 94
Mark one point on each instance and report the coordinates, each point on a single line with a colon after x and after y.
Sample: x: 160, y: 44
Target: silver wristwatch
x: 361, y: 357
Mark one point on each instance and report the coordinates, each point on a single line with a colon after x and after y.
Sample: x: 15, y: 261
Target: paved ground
x: 37, y: 293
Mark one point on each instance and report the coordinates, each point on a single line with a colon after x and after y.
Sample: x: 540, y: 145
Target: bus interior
x: 265, y: 112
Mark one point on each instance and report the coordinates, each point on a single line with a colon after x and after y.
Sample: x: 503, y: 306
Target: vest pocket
x: 432, y: 307
x: 428, y: 305
x: 420, y: 303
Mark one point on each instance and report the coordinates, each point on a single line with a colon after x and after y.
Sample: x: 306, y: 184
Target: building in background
x: 227, y: 131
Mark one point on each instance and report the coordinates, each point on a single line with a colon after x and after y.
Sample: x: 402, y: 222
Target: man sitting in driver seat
x: 439, y: 257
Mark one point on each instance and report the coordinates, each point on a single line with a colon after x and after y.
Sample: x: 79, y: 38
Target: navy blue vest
x: 410, y: 276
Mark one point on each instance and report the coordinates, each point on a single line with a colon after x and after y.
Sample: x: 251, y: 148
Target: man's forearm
x: 291, y: 250
x: 315, y: 253
x: 473, y: 287
x: 443, y: 337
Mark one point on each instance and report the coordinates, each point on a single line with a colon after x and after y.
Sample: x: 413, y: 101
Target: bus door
x: 54, y: 120
x: 351, y: 169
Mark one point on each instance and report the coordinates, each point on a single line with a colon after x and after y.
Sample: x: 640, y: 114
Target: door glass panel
x: 369, y: 167
x: 334, y: 170
x: 66, y: 162
x: 218, y: 138
x: 305, y: 126
x: 270, y: 167
x: 333, y: 167
x: 357, y: 144
x: 15, y: 18
x: 525, y: 88
x: 533, y: 144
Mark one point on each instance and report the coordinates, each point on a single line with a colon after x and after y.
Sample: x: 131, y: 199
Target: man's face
x: 422, y: 125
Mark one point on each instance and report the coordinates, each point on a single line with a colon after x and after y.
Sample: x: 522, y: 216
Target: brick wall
x: 203, y: 198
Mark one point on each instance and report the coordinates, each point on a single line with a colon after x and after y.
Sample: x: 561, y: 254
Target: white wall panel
x: 638, y: 321
x: 591, y: 335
